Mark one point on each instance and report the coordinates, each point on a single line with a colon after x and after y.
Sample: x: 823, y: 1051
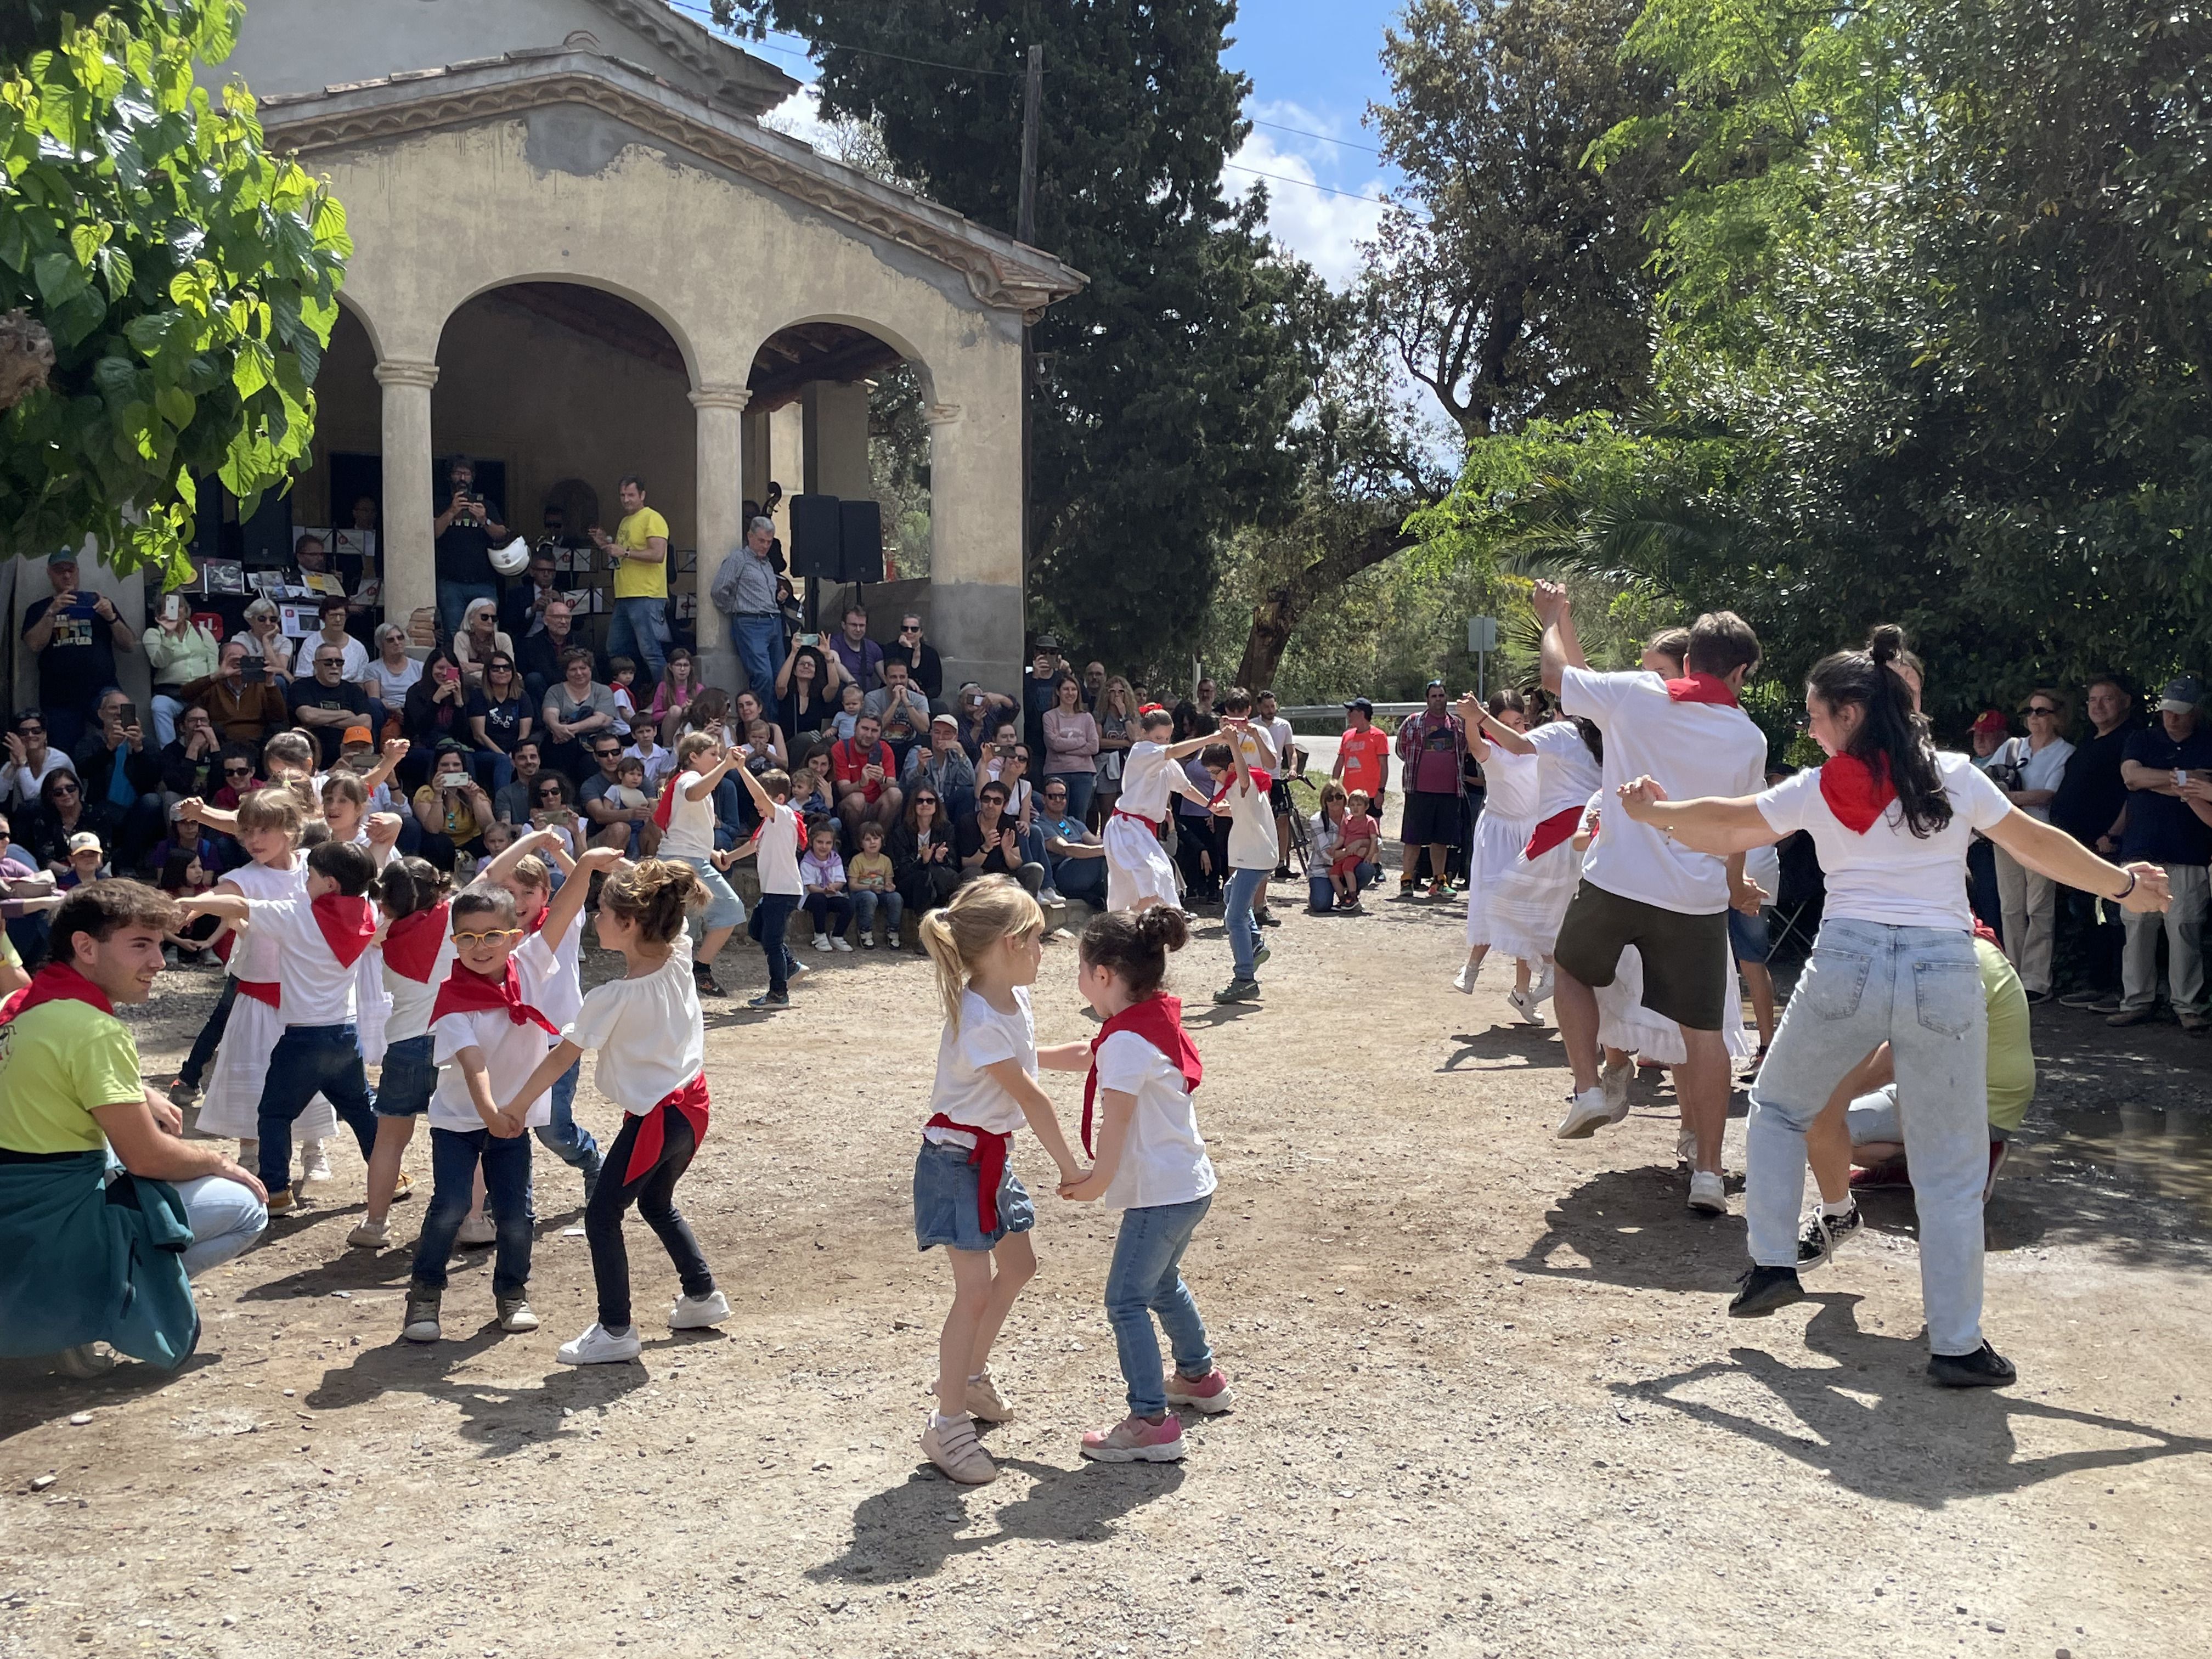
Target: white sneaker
x: 1521, y: 1003
x: 868, y: 938
x: 822, y: 941
x: 515, y: 1315
x: 1464, y: 979
x: 1585, y: 1113
x: 476, y: 1230
x: 841, y: 943
x: 314, y: 1161
x: 1540, y: 988
x: 1614, y: 1081
x: 694, y: 1313
x: 370, y: 1236
x: 600, y: 1346
x: 1707, y: 1193
x: 799, y: 968
x: 1050, y: 896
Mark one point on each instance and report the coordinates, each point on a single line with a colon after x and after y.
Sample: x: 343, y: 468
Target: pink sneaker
x: 1209, y: 1394
x: 1132, y: 1440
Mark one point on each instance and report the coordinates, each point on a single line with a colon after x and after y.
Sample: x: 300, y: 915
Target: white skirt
x: 1498, y: 843
x: 1528, y: 900
x: 1137, y: 866
x: 1623, y: 1023
x: 232, y: 1104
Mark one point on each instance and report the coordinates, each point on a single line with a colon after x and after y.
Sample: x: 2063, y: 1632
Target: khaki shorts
x: 1685, y: 957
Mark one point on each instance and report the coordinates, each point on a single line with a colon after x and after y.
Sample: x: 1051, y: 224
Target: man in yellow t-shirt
x: 640, y: 548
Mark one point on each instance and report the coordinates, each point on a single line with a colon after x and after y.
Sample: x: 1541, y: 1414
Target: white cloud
x: 1322, y: 225
x: 799, y: 116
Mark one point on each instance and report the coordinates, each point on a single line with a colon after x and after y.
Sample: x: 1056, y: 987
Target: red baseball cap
x: 1990, y: 720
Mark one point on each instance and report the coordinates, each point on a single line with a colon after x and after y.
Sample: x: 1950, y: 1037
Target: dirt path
x: 1491, y: 1402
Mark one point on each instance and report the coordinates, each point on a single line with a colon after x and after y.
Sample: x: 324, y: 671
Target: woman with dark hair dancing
x: 1894, y: 963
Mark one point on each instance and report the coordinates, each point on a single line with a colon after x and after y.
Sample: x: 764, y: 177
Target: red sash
x: 1703, y: 687
x: 653, y: 1128
x: 1857, y: 793
x: 665, y: 808
x: 467, y: 992
x: 989, y: 1157
x: 55, y: 983
x: 1158, y: 1020
x: 412, y: 943
x: 267, y: 992
x: 348, y: 925
x: 1557, y: 828
x: 1152, y: 824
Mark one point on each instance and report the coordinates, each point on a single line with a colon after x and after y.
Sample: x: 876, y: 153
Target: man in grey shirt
x: 899, y: 707
x: 745, y: 592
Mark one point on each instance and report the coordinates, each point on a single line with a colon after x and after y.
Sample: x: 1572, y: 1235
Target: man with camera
x: 467, y: 528
x: 238, y: 698
x: 75, y: 636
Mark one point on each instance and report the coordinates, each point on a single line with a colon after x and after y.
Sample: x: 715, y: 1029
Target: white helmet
x: 513, y: 559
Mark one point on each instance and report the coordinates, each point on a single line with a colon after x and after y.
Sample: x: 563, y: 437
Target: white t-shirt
x: 1511, y: 783
x: 1163, y: 1160
x: 777, y: 855
x: 1567, y: 772
x: 963, y: 1091
x: 318, y: 990
x: 1147, y: 781
x: 253, y: 958
x: 1694, y: 749
x: 390, y: 685
x: 650, y: 1038
x: 550, y: 981
x: 690, y: 832
x: 1252, y: 844
x: 2039, y: 769
x: 1279, y: 733
x: 356, y: 659
x: 412, y: 1001
x: 1888, y: 875
x: 511, y: 1053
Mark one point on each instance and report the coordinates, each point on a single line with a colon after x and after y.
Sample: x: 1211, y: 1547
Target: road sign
x: 1482, y: 635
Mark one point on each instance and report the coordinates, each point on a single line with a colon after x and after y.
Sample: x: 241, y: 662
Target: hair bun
x: 1886, y: 642
x: 1164, y: 925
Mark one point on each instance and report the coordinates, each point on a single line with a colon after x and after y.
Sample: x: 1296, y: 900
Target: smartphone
x: 451, y: 781
x: 252, y: 669
x: 129, y: 715
x: 810, y: 639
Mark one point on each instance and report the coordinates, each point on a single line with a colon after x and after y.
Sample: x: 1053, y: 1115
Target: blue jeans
x: 226, y: 1218
x: 639, y: 630
x: 757, y: 638
x: 454, y: 600
x: 1147, y: 1278
x: 1080, y: 878
x: 1236, y: 915
x: 724, y: 908
x: 1081, y: 786
x: 866, y: 900
x: 1920, y: 990
x: 770, y: 916
x: 454, y: 1155
x: 309, y: 1060
x: 566, y: 1138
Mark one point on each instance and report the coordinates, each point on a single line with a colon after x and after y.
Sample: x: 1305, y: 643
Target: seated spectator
x: 577, y: 710
x: 1021, y: 806
x: 621, y: 680
x: 851, y: 702
x: 513, y: 803
x: 924, y: 667
x: 178, y: 652
x: 390, y: 673
x: 500, y: 717
x: 85, y: 1258
x: 265, y: 638
x: 74, y: 636
x: 628, y: 791
x: 628, y: 830
x: 805, y: 692
x: 657, y: 762
x: 672, y: 696
x: 943, y: 765
x: 923, y: 859
x: 553, y: 806
x: 332, y: 612
x: 235, y: 769
x: 240, y: 697
x: 523, y: 611
x: 327, y: 703
x: 190, y: 866
x: 312, y: 567
x: 986, y: 844
x: 541, y: 651
x: 1201, y: 851
x: 117, y: 766
x: 863, y: 771
x: 27, y: 897
x: 480, y: 636
x: 822, y: 875
x: 900, y: 709
x: 29, y: 759
x: 1075, y: 857
x: 188, y: 763
x: 87, y: 861
x: 873, y: 884
x: 452, y: 809
x: 770, y: 749
x: 436, y: 711
x: 813, y: 795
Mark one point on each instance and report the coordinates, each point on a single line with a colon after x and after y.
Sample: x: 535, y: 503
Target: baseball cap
x: 1989, y: 720
x: 1435, y: 685
x: 84, y: 841
x: 2181, y: 694
x: 62, y: 555
x: 952, y: 720
x: 1361, y: 703
x: 356, y: 734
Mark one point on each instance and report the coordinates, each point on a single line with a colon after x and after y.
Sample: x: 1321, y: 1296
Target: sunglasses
x: 2037, y: 708
x: 31, y: 731
x: 1055, y: 795
x: 925, y: 800
x: 63, y: 789
x: 491, y: 938
x: 238, y: 771
x: 914, y: 628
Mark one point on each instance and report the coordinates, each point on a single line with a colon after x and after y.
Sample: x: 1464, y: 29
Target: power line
x: 1307, y: 183
x: 837, y: 46
x: 1302, y: 133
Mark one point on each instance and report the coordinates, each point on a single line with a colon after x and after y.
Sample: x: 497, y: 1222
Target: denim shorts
x: 403, y: 1087
x: 1748, y: 938
x: 724, y: 908
x: 944, y: 1184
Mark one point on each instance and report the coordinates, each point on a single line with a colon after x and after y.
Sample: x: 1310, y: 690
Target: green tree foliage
x: 1166, y: 388
x: 186, y: 278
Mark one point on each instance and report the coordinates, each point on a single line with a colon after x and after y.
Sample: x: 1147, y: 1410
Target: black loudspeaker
x: 816, y: 538
x: 861, y: 525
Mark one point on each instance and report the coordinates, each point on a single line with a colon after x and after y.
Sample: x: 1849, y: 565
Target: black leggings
x: 654, y: 1194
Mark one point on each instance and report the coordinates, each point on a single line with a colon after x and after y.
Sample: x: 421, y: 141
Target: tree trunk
x: 1283, y: 606
x: 27, y: 353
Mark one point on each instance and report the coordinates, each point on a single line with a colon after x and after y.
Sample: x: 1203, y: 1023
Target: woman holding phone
x: 806, y: 687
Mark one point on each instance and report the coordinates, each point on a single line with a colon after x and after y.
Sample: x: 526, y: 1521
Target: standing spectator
x: 1071, y: 748
x: 2167, y: 769
x: 390, y: 673
x: 923, y: 861
x: 2088, y: 806
x: 30, y: 759
x: 539, y: 659
x: 522, y: 609
x: 1362, y: 755
x: 577, y: 709
x: 118, y: 769
x: 1193, y: 715
x: 265, y: 638
x: 1039, y: 689
x: 1990, y: 733
x: 75, y: 636
x: 466, y: 527
x: 864, y: 774
x: 331, y: 611
x: 985, y: 845
x: 942, y: 767
x: 357, y: 543
x: 500, y: 717
x: 1117, y: 729
x: 178, y: 652
x: 2035, y: 764
x: 478, y: 639
x: 745, y: 592
x: 243, y: 710
x: 1432, y: 747
x: 328, y: 704
x: 1075, y: 857
x: 924, y: 667
x: 806, y: 690
x: 1268, y: 716
x: 640, y: 546
x: 1094, y: 686
x: 899, y: 707
x: 860, y: 656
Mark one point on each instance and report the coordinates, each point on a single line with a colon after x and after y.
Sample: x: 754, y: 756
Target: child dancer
x: 418, y: 953
x: 1497, y: 736
x: 1152, y: 1166
x: 1138, y: 871
x: 1533, y: 886
x: 345, y: 809
x: 486, y: 1038
x: 780, y: 889
x: 685, y: 813
x: 987, y: 945
x: 652, y: 1043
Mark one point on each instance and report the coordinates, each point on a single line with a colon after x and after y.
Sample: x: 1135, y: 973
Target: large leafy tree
x: 1164, y: 406
x: 167, y: 286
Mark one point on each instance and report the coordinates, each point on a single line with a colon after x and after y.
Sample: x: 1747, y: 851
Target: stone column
x: 409, y: 559
x: 976, y: 612
x: 720, y: 503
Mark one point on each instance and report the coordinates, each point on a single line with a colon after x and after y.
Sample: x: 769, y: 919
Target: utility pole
x: 1025, y: 232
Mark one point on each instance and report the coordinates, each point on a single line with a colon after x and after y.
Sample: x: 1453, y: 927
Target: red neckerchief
x: 1703, y: 687
x: 989, y: 1157
x: 1857, y: 793
x: 1263, y: 782
x: 467, y: 992
x: 1557, y: 828
x: 653, y: 1128
x: 412, y: 943
x: 1158, y: 1020
x: 665, y: 808
x: 348, y: 925
x: 55, y: 983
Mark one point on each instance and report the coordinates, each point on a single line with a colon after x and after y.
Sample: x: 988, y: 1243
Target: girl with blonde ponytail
x: 987, y: 945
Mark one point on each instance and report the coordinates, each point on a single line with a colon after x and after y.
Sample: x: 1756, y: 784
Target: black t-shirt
x: 465, y: 550
x: 2161, y: 828
x: 968, y: 837
x: 2090, y: 794
x: 79, y: 661
x: 312, y: 694
x: 923, y: 663
x: 502, y: 721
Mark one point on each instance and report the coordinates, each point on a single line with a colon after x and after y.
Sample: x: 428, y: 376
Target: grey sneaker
x: 514, y: 1314
x: 421, y: 1324
x: 1238, y: 990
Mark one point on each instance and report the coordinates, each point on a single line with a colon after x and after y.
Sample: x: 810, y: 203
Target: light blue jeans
x: 226, y: 1218
x: 454, y: 600
x: 1919, y: 989
x: 1244, y: 885
x: 639, y: 630
x: 1147, y: 1278
x: 566, y: 1138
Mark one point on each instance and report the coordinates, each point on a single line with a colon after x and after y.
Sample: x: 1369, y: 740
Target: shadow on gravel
x: 911, y: 1531
x: 500, y: 1418
x: 1505, y: 1047
x: 33, y: 1394
x: 1873, y: 1422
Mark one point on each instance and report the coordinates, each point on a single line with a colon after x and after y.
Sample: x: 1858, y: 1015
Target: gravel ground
x: 1490, y: 1402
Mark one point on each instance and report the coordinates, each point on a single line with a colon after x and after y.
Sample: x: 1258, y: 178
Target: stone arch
x: 354, y: 309
x: 898, y: 340
x: 644, y: 302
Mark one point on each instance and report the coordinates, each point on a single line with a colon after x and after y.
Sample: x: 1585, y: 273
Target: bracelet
x: 2114, y: 898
